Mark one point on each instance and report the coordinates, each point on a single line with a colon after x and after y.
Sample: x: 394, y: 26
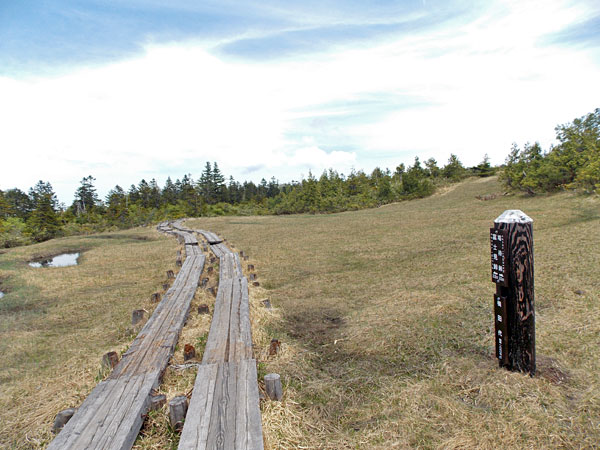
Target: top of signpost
x: 513, y: 216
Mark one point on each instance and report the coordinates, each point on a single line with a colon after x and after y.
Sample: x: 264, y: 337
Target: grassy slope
x: 56, y: 323
x: 386, y: 314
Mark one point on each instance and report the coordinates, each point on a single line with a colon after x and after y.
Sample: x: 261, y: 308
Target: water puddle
x: 66, y: 259
x: 1, y: 294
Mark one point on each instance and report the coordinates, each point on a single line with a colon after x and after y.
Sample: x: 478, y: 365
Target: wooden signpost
x: 511, y: 243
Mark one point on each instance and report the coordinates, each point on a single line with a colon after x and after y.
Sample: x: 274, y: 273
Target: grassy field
x: 56, y: 323
x: 385, y: 317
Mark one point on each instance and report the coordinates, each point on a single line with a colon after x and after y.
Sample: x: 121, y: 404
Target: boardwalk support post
x: 273, y: 386
x: 157, y: 402
x: 177, y: 410
x: 511, y: 241
x: 62, y: 418
x: 137, y: 315
x: 110, y: 360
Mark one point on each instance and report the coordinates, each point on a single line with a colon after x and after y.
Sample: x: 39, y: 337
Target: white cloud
x: 177, y: 106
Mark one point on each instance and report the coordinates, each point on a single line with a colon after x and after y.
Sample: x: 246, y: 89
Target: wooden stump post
x: 203, y: 309
x: 62, y: 418
x: 511, y: 241
x: 177, y: 410
x: 155, y: 297
x: 274, y: 347
x: 110, y: 360
x: 189, y: 352
x: 157, y: 402
x: 267, y: 303
x: 170, y: 275
x: 136, y: 316
x: 273, y: 386
x: 252, y: 276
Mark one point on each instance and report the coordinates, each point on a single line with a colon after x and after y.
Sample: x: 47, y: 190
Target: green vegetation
x: 38, y: 216
x: 573, y: 164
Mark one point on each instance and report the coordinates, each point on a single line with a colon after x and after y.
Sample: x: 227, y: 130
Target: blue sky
x: 126, y: 90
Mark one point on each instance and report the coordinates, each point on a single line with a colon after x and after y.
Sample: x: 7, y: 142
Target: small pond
x: 66, y: 259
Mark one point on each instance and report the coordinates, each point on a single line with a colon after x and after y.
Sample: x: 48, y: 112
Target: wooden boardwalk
x: 112, y: 415
x: 224, y: 411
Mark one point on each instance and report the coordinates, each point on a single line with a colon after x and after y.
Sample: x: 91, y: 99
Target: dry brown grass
x: 56, y: 323
x: 385, y: 315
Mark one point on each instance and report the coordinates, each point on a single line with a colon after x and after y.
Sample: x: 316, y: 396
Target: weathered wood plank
x: 195, y: 429
x: 221, y: 432
x: 210, y: 237
x: 216, y: 345
x: 111, y: 416
x: 224, y: 411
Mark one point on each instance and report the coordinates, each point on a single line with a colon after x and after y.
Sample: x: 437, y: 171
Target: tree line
x: 37, y: 215
x: 574, y: 163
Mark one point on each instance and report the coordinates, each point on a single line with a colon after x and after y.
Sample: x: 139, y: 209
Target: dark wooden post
x: 511, y: 241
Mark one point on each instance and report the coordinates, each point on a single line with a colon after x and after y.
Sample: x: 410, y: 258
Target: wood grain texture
x: 112, y: 415
x: 224, y: 410
x: 519, y: 294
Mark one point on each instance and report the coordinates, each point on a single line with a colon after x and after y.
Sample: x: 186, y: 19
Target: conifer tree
x: 43, y: 222
x: 205, y: 183
x: 86, y: 197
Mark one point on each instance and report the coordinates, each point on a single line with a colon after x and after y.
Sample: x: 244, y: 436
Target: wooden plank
x: 210, y: 237
x: 234, y: 322
x: 216, y: 345
x: 111, y: 416
x: 221, y: 432
x: 217, y: 251
x: 245, y: 326
x: 224, y: 411
x: 195, y: 429
x: 248, y: 421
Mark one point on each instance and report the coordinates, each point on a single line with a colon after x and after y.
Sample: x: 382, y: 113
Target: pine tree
x: 117, y: 210
x: 43, y: 222
x: 169, y: 193
x: 217, y: 184
x: 205, y: 183
x: 19, y: 203
x: 454, y: 170
x: 86, y: 198
x: 154, y: 194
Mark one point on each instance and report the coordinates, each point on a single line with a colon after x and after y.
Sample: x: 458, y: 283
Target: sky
x: 125, y: 90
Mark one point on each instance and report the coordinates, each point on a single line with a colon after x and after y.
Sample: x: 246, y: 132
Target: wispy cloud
x: 281, y: 92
